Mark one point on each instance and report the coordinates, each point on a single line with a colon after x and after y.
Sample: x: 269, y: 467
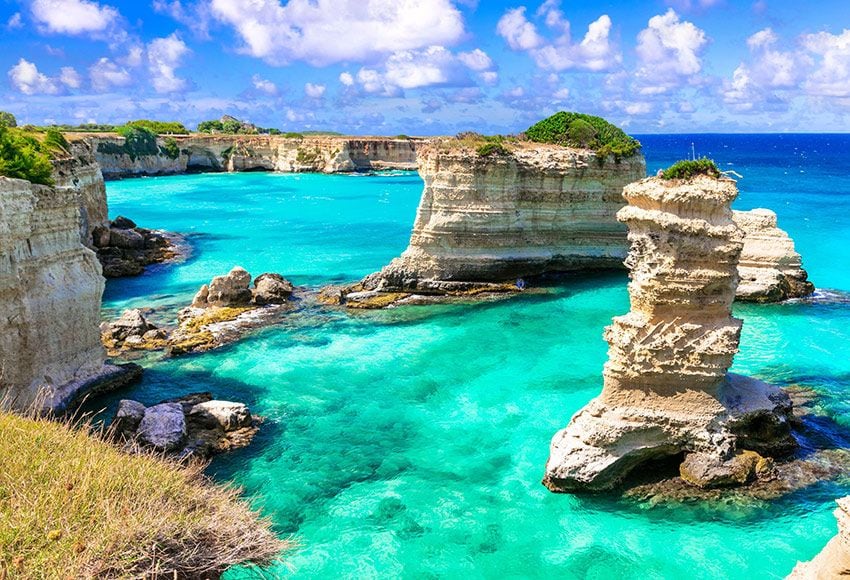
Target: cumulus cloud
x: 669, y: 51
x: 15, y: 21
x: 73, y: 16
x: 164, y: 57
x: 264, y: 85
x: 106, y: 74
x: 314, y: 91
x: 195, y: 16
x: 26, y: 78
x: 70, y: 77
x: 831, y: 77
x: 346, y: 79
x: 323, y: 32
x: 477, y: 60
x: 595, y: 51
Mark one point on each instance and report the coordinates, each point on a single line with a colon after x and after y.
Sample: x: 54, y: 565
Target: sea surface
x: 411, y: 442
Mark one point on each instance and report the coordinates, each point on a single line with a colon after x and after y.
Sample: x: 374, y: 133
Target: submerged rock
x: 666, y: 390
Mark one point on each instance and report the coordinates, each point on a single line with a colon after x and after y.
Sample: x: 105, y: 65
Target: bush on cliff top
x: 586, y: 131
x: 22, y: 156
x: 7, y: 119
x: 686, y: 169
x: 159, y: 127
x: 74, y: 506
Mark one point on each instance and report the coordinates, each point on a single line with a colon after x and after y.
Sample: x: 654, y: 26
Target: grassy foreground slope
x: 74, y: 506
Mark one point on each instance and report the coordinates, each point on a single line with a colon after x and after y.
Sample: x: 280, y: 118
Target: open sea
x: 410, y: 443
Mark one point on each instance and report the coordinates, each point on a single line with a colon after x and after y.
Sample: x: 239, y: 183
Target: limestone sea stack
x: 834, y: 560
x: 490, y: 218
x: 770, y: 268
x: 666, y: 389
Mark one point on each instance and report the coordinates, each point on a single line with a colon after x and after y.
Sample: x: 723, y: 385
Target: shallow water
x: 411, y: 442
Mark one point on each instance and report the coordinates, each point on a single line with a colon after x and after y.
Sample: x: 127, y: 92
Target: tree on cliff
x: 582, y: 132
x: 7, y: 119
x: 23, y: 157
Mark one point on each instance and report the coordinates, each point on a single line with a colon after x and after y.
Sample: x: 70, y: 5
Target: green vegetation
x: 564, y: 129
x: 55, y: 142
x: 7, y: 119
x: 74, y: 506
x: 170, y: 148
x: 492, y: 147
x: 402, y: 136
x: 690, y: 168
x: 159, y: 127
x: 138, y: 142
x: 291, y: 135
x: 84, y: 128
x: 22, y: 156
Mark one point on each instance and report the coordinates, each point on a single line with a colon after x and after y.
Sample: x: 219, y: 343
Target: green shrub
x: 492, y: 148
x: 23, y: 157
x: 55, y: 142
x: 291, y: 135
x: 402, y: 136
x: 582, y: 132
x: 159, y: 127
x: 170, y: 148
x: 608, y: 139
x: 210, y: 127
x: 7, y: 119
x: 138, y: 141
x: 690, y: 168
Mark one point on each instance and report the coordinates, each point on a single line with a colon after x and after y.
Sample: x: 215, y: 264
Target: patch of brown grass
x: 74, y: 506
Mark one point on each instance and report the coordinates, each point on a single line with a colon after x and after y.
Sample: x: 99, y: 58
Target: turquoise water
x: 411, y: 442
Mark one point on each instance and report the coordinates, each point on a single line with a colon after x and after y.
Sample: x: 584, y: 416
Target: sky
x: 428, y: 67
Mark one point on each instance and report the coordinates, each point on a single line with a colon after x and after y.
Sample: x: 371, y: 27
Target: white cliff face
x: 79, y: 175
x: 493, y: 218
x: 834, y: 560
x: 666, y: 389
x: 770, y: 268
x: 320, y: 154
x: 50, y: 292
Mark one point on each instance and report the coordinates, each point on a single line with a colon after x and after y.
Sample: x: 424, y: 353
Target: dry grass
x: 74, y: 506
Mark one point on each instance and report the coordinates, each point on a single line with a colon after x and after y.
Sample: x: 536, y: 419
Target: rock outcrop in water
x: 770, y: 268
x: 666, y: 388
x: 489, y: 220
x: 323, y: 154
x: 125, y: 249
x: 834, y: 559
x: 50, y: 292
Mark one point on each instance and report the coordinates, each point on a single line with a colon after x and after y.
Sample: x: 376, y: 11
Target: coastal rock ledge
x: 834, y: 559
x: 666, y: 389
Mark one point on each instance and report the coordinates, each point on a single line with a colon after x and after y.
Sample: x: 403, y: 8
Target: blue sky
x: 425, y: 67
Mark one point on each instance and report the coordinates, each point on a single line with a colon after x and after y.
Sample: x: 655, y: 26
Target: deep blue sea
x: 411, y: 442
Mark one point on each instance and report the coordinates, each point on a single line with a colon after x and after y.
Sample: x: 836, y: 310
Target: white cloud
x: 414, y: 69
x: 105, y: 75
x: 322, y: 32
x: 73, y: 16
x: 519, y: 33
x: 26, y: 78
x: 477, y: 60
x: 15, y: 21
x: 346, y: 79
x: 70, y: 77
x: 669, y: 53
x: 264, y: 85
x: 490, y: 77
x: 196, y: 16
x: 595, y: 52
x: 831, y: 77
x: 314, y: 91
x: 164, y: 56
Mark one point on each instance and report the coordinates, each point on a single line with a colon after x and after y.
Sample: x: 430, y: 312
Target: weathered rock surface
x: 78, y: 175
x: 232, y: 289
x: 666, y: 390
x: 132, y: 331
x: 324, y: 154
x: 834, y: 560
x: 271, y: 289
x: 770, y: 268
x: 194, y: 425
x: 50, y: 291
x: 125, y: 249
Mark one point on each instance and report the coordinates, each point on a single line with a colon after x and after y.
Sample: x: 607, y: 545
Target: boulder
x: 232, y: 289
x: 200, y: 299
x: 131, y: 323
x: 126, y: 239
x: 271, y: 289
x: 100, y: 237
x: 123, y: 223
x: 706, y: 470
x: 163, y: 427
x: 127, y: 418
x: 226, y: 414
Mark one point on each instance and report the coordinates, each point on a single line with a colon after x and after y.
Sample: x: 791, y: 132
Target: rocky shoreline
x: 124, y: 249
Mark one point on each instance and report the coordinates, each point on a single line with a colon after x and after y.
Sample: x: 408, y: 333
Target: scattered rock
x: 232, y: 289
x: 163, y: 427
x: 127, y: 419
x: 132, y: 331
x: 271, y: 289
x: 230, y: 416
x: 123, y: 223
x: 125, y: 249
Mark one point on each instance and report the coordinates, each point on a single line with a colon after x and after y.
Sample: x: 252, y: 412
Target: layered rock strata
x: 770, y: 268
x: 834, y: 560
x: 78, y: 175
x: 50, y: 292
x: 192, y: 426
x: 666, y: 390
x: 323, y: 154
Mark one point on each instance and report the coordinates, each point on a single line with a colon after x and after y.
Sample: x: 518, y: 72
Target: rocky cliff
x: 547, y: 209
x: 770, y: 268
x: 498, y: 217
x: 834, y: 559
x: 323, y: 154
x: 666, y: 390
x: 78, y: 175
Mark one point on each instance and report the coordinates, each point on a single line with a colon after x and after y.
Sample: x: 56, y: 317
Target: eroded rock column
x: 666, y: 389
